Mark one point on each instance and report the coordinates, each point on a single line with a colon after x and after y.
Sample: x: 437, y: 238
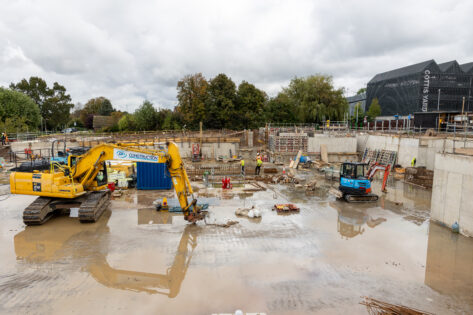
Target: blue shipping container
x: 152, y: 176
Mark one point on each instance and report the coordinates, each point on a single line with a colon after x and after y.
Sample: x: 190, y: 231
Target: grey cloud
x: 130, y: 51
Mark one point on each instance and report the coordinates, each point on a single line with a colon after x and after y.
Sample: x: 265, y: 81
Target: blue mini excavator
x: 355, y: 186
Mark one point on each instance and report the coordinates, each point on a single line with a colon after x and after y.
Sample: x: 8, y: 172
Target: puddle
x: 318, y: 260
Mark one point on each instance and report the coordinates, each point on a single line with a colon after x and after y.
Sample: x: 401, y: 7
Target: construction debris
x: 285, y: 179
x: 430, y: 133
x: 377, y: 307
x: 270, y: 170
x: 255, y: 187
x: 286, y: 207
x: 248, y: 212
x: 419, y: 176
x: 319, y: 165
x: 117, y: 193
x: 297, y: 160
x: 226, y: 224
x: 335, y: 192
x: 311, y: 186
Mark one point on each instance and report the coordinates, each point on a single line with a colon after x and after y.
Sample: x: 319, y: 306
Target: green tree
x: 170, y: 120
x: 127, y: 123
x: 361, y: 91
x: 146, y: 116
x: 249, y: 107
x: 75, y: 122
x: 375, y: 109
x: 192, y: 96
x: 95, y: 106
x: 18, y: 111
x: 54, y: 103
x: 11, y: 125
x: 315, y: 99
x: 280, y: 109
x: 358, y: 114
x: 220, y: 109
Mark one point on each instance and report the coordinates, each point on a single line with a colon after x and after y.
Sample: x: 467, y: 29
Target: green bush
x: 17, y: 110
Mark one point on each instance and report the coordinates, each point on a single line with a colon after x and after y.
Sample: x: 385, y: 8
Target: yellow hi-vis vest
x: 242, y: 162
x: 259, y: 162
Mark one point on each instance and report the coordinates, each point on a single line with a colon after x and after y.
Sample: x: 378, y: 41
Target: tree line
x: 217, y: 103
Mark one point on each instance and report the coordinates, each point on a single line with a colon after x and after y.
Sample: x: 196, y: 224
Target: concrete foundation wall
x: 334, y: 144
x: 424, y: 149
x: 210, y: 150
x: 452, y: 191
x: 407, y: 148
x: 428, y: 147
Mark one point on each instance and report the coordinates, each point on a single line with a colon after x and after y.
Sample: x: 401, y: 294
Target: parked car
x: 69, y: 130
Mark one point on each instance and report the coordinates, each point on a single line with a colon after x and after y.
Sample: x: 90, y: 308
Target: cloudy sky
x: 129, y: 51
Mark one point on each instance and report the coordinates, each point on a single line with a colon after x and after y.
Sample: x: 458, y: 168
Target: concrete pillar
x: 452, y: 191
x: 250, y: 139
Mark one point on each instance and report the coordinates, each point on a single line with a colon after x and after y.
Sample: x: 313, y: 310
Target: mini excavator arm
x: 379, y: 167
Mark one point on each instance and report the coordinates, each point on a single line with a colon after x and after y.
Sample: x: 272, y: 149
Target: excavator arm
x: 182, y: 184
x: 79, y: 177
x: 88, y: 166
x: 379, y: 167
x: 85, y: 168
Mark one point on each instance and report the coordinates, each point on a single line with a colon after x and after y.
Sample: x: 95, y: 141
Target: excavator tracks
x: 38, y: 212
x: 93, y: 206
x: 361, y: 198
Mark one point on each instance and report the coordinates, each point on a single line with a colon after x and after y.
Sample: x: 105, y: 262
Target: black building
x: 354, y: 100
x: 423, y: 87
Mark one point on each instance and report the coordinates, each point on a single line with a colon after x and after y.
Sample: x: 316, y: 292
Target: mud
x: 320, y: 260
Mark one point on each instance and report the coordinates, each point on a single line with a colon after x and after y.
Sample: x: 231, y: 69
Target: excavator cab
x: 102, y: 178
x: 354, y: 185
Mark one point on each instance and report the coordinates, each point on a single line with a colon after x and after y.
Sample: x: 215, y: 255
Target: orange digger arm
x: 378, y: 167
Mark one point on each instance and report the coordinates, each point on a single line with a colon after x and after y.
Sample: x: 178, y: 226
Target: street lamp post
x: 356, y: 124
x: 438, y: 102
x: 469, y: 94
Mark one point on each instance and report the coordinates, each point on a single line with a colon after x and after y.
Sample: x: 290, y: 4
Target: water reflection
x: 353, y: 217
x: 407, y: 195
x: 449, y: 266
x: 87, y: 244
x: 151, y: 216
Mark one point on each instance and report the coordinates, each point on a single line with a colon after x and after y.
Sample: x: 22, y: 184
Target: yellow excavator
x: 82, y: 182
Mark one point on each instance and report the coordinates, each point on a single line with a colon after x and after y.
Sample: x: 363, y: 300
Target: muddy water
x: 321, y: 260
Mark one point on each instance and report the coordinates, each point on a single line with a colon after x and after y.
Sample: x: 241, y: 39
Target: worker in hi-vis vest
x: 413, y: 162
x: 259, y: 162
x: 242, y: 163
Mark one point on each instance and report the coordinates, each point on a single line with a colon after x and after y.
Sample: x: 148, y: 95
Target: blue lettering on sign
x: 135, y: 156
x: 142, y: 156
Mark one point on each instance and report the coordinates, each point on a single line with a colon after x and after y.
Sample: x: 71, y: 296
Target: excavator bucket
x: 195, y: 212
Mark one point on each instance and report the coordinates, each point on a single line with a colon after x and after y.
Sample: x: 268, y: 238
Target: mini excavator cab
x: 354, y: 184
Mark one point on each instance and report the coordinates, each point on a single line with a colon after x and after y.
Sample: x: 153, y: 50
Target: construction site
x: 278, y: 220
